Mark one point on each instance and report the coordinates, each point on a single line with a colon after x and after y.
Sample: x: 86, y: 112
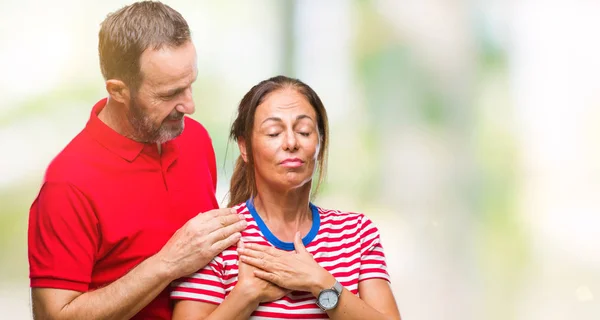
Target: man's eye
x: 166, y: 98
x: 272, y: 135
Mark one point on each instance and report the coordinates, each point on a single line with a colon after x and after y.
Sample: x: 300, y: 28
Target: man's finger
x: 216, y: 213
x: 224, y: 221
x: 221, y: 245
x: 222, y: 233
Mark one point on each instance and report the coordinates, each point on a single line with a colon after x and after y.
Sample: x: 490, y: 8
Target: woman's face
x: 285, y: 140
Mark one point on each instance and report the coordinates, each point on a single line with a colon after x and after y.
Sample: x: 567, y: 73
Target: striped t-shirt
x: 345, y: 244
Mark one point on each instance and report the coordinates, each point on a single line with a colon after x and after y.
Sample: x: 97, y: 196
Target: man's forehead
x: 168, y: 65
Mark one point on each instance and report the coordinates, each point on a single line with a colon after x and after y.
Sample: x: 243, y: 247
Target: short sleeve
x: 63, y: 238
x: 372, y: 258
x: 206, y: 285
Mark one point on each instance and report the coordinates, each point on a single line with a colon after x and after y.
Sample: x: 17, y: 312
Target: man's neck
x: 114, y: 116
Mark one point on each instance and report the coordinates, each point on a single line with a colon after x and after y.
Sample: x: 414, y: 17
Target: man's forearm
x: 121, y: 299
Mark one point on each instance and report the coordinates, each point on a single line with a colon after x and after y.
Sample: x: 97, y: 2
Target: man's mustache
x: 175, y: 116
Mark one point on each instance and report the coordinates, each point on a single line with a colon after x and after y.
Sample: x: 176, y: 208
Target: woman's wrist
x: 245, y: 294
x: 322, y: 282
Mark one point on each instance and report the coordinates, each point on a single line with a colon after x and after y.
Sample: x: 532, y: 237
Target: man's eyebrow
x: 172, y: 92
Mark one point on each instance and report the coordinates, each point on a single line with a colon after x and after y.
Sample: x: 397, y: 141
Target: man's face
x: 164, y: 96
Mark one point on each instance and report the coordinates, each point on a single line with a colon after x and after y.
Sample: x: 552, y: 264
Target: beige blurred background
x: 469, y: 131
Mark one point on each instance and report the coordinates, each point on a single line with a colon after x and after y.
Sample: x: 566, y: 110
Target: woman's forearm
x: 376, y: 300
x: 236, y: 306
x: 351, y: 307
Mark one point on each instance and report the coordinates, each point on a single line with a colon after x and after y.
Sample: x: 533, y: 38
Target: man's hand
x: 200, y: 240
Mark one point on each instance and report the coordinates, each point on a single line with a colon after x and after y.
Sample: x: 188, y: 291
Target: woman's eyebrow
x: 304, y: 116
x: 276, y: 119
x: 298, y: 118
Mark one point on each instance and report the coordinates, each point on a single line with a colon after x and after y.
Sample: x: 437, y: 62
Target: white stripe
x: 338, y: 253
x: 336, y: 226
x: 195, y: 296
x: 254, y: 238
x: 298, y: 303
x: 352, y: 267
x: 336, y: 262
x: 315, y: 310
x: 346, y: 235
x: 269, y: 318
x: 373, y: 275
x: 204, y: 277
x: 349, y: 278
x: 352, y: 287
x: 344, y: 247
x: 200, y: 286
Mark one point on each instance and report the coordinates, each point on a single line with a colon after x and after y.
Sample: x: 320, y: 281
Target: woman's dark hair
x: 243, y: 185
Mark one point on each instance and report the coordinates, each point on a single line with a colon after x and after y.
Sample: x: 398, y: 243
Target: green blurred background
x: 467, y: 130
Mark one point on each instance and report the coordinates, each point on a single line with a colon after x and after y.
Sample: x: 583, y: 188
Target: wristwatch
x: 329, y: 298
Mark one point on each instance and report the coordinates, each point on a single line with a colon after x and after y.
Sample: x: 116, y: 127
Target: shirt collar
x: 126, y: 148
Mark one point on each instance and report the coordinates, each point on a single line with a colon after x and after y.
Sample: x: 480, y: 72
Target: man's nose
x: 187, y: 105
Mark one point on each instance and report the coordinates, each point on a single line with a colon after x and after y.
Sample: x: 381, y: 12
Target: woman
x: 295, y: 260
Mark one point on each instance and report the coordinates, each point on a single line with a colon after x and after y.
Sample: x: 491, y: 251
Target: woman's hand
x: 258, y: 289
x: 292, y: 270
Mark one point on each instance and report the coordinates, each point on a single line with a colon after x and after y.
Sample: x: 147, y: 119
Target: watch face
x: 328, y: 299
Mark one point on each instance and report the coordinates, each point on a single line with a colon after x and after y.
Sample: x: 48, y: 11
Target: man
x: 117, y: 217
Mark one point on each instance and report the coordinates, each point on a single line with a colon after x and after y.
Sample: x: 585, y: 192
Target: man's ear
x: 118, y: 91
x: 242, y: 145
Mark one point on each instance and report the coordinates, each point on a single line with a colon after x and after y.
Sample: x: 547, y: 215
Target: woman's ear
x: 242, y: 145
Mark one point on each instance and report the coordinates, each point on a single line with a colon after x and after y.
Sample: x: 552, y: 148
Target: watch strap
x: 337, y: 287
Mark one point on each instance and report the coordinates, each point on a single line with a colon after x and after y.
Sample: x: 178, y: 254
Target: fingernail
x: 233, y: 210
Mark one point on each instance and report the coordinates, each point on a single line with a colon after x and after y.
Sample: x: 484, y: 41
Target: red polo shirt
x: 107, y: 203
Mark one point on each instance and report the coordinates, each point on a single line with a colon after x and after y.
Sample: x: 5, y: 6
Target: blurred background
x: 469, y: 131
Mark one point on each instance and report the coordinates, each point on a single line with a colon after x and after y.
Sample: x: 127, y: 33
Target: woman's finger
x: 256, y: 262
x: 298, y: 245
x: 245, y: 251
x: 267, y: 276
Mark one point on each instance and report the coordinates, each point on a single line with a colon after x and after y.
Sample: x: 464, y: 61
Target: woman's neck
x: 285, y: 213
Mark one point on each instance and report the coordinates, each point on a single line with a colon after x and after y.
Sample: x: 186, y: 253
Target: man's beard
x: 147, y: 131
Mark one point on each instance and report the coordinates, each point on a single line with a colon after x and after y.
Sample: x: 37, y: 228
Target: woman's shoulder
x: 242, y: 209
x: 341, y: 215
